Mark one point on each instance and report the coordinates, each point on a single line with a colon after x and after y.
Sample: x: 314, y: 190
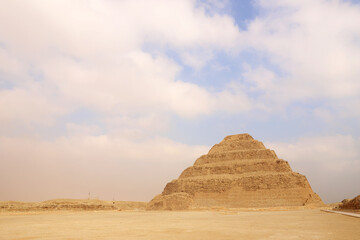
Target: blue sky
x: 118, y: 97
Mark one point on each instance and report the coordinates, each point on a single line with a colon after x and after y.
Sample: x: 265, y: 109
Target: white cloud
x: 10, y: 66
x: 324, y: 114
x: 26, y: 107
x: 315, y: 45
x: 137, y: 127
x: 93, y: 57
x: 214, y: 4
x: 196, y: 60
x: 233, y: 99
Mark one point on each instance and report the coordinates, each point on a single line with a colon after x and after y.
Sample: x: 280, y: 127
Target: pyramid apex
x: 237, y: 137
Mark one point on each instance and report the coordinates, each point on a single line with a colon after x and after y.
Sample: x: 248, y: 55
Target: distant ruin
x: 239, y: 172
x: 352, y: 204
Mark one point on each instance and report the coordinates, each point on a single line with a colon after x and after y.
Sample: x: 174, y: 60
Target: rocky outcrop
x: 351, y: 204
x: 239, y: 172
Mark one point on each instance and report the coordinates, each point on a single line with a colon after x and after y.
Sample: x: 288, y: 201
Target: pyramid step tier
x: 242, y: 161
x: 237, y: 137
x: 236, y: 167
x: 262, y: 198
x: 225, y: 182
x: 236, y: 155
x: 227, y: 146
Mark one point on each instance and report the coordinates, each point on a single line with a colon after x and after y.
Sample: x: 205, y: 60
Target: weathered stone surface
x: 175, y: 201
x: 351, y: 203
x: 236, y: 173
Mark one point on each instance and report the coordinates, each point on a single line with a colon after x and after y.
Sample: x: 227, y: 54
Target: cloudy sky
x: 117, y: 97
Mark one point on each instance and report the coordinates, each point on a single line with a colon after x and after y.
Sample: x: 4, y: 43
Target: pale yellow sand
x: 300, y: 224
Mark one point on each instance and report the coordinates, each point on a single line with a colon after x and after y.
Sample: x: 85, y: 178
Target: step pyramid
x: 239, y: 172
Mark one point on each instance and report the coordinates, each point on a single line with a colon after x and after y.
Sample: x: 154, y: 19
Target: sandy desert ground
x: 295, y: 224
